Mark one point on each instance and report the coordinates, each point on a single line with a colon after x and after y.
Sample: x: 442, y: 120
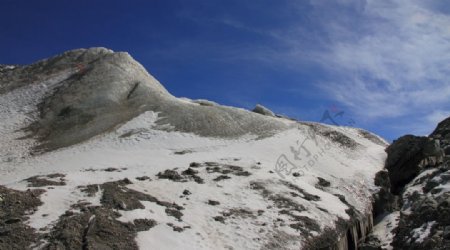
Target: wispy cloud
x: 400, y: 66
x: 383, y: 59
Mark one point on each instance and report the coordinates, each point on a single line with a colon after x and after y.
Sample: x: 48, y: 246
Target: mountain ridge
x: 104, y: 140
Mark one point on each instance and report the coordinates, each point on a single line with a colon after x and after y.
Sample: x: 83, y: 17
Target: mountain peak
x: 106, y: 136
x: 86, y: 92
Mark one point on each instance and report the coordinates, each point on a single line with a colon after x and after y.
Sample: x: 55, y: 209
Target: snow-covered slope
x: 176, y: 173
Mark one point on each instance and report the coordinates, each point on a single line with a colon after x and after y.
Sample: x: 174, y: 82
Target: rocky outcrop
x: 425, y: 214
x: 260, y: 109
x: 16, y: 76
x: 94, y: 90
x: 106, y: 90
x: 419, y: 173
x: 14, y: 208
x: 383, y: 201
x: 408, y: 156
x: 442, y: 131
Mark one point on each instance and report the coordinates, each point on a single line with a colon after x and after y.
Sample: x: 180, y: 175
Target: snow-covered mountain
x: 96, y: 154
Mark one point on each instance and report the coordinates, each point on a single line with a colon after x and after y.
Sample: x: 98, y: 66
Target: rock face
x: 442, y: 131
x: 126, y: 165
x: 384, y: 200
x: 420, y: 175
x: 105, y: 90
x: 99, y: 89
x: 14, y: 205
x: 407, y: 156
x: 259, y: 109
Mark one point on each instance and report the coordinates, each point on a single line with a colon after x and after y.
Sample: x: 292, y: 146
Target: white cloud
x: 385, y: 59
x: 398, y: 67
x: 437, y: 116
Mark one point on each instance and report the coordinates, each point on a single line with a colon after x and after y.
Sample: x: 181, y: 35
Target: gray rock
x: 112, y: 89
x: 366, y: 246
x: 205, y: 102
x: 442, y: 130
x: 263, y: 110
x: 105, y: 89
x: 47, y: 68
x: 446, y: 233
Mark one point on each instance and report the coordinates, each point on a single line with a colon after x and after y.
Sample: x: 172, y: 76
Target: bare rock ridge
x: 104, y: 90
x: 100, y: 89
x: 419, y: 179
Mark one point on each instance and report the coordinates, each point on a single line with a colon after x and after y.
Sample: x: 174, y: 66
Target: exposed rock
x: 447, y: 150
x: 222, y: 177
x: 183, y: 152
x: 176, y: 228
x: 47, y: 180
x: 407, y: 156
x: 205, y: 102
x: 384, y: 200
x: 186, y: 175
x: 339, y: 138
x: 372, y: 137
x: 143, y: 178
x: 144, y: 224
x: 442, y: 130
x: 418, y: 171
x: 322, y: 182
x: 172, y: 175
x: 189, y: 171
x: 263, y: 110
x: 97, y: 89
x: 117, y: 196
x: 174, y: 213
x: 219, y: 219
x: 44, y: 69
x: 213, y: 203
x: 96, y: 228
x: 82, y: 105
x: 300, y: 192
x: 214, y: 167
x: 14, y: 208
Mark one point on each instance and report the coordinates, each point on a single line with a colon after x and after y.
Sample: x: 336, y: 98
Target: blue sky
x: 384, y: 63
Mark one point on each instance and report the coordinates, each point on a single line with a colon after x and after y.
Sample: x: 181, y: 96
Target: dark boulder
x: 407, y: 156
x: 447, y: 150
x: 383, y: 200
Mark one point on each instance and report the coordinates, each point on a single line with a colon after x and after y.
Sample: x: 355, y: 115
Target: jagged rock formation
x: 407, y: 156
x: 116, y: 158
x: 419, y: 173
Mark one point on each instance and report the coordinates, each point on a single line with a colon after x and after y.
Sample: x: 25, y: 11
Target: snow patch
x: 419, y: 234
x: 384, y: 230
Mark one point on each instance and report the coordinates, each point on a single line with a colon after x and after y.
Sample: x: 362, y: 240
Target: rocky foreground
x: 415, y: 214
x: 96, y: 154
